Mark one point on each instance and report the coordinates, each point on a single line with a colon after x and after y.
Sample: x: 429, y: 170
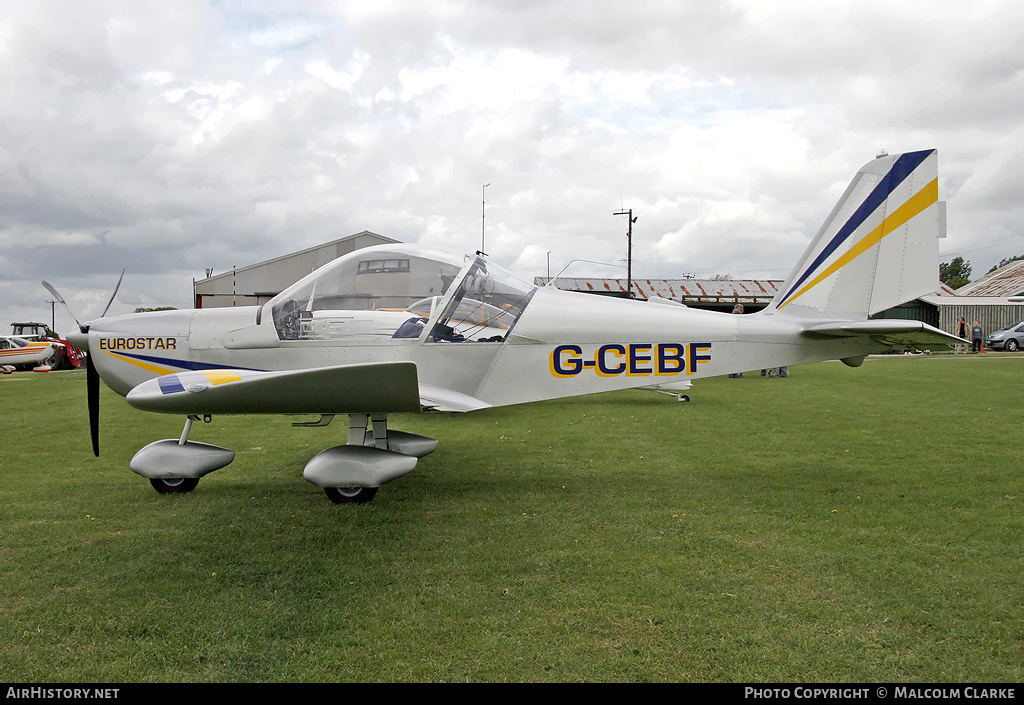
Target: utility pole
x: 629, y: 251
x: 483, y: 216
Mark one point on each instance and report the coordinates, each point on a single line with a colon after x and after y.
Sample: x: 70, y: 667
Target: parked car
x: 1010, y: 339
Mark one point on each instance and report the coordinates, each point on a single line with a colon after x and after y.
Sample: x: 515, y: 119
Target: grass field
x: 840, y: 525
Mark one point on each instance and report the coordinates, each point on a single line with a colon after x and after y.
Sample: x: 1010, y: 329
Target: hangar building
x: 256, y: 284
x: 995, y: 300
x: 1005, y: 281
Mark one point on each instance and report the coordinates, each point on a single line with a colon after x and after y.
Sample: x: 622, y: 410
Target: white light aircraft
x: 397, y: 328
x: 15, y: 350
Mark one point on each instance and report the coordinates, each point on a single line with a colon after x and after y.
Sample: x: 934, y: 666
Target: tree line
x: 957, y: 272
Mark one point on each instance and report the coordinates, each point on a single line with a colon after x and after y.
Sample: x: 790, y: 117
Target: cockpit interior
x: 403, y: 293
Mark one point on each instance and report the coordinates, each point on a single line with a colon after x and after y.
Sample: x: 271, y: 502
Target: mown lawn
x: 839, y: 525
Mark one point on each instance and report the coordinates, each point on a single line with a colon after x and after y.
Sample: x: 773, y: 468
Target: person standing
x: 977, y: 334
x: 961, y: 332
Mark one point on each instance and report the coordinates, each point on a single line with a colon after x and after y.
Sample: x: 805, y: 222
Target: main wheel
x: 174, y: 485
x: 350, y: 495
x: 1011, y: 345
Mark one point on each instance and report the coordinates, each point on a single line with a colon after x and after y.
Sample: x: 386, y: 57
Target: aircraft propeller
x: 60, y: 299
x: 92, y: 377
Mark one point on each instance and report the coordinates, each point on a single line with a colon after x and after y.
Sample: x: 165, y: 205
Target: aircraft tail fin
x: 878, y: 247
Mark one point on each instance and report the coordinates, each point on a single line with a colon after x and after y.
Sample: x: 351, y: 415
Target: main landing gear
x: 348, y: 474
x: 350, y: 495
x: 352, y: 473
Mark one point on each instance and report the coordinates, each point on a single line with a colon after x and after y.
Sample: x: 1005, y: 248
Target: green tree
x: 1004, y: 262
x: 955, y: 274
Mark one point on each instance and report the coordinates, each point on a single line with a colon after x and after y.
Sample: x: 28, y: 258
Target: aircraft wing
x: 441, y: 399
x: 889, y: 331
x: 345, y: 389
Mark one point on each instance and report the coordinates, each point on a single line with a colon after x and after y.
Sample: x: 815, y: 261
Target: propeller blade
x: 60, y: 299
x: 92, y: 386
x: 113, y: 295
x: 92, y: 376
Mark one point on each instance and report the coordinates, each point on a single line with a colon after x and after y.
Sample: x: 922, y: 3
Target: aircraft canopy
x: 400, y: 292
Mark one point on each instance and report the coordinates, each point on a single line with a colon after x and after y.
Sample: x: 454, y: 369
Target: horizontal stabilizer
x: 346, y: 389
x: 891, y: 332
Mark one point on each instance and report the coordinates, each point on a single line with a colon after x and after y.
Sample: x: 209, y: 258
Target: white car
x: 18, y: 351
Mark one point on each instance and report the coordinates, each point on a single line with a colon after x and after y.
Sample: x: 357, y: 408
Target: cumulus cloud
x: 171, y: 138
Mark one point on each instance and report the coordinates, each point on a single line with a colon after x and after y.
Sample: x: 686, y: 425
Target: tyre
x: 1012, y: 345
x: 350, y: 495
x: 174, y: 485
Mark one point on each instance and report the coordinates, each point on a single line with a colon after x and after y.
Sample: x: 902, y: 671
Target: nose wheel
x: 175, y: 466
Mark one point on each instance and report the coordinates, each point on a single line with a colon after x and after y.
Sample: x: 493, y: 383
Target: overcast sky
x: 168, y: 138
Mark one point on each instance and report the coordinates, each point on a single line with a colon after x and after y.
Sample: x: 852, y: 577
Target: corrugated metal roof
x: 693, y: 290
x: 1007, y: 281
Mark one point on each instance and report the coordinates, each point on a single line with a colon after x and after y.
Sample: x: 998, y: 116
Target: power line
x: 982, y: 245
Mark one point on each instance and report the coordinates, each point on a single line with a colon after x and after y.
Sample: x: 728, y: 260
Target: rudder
x: 879, y: 246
